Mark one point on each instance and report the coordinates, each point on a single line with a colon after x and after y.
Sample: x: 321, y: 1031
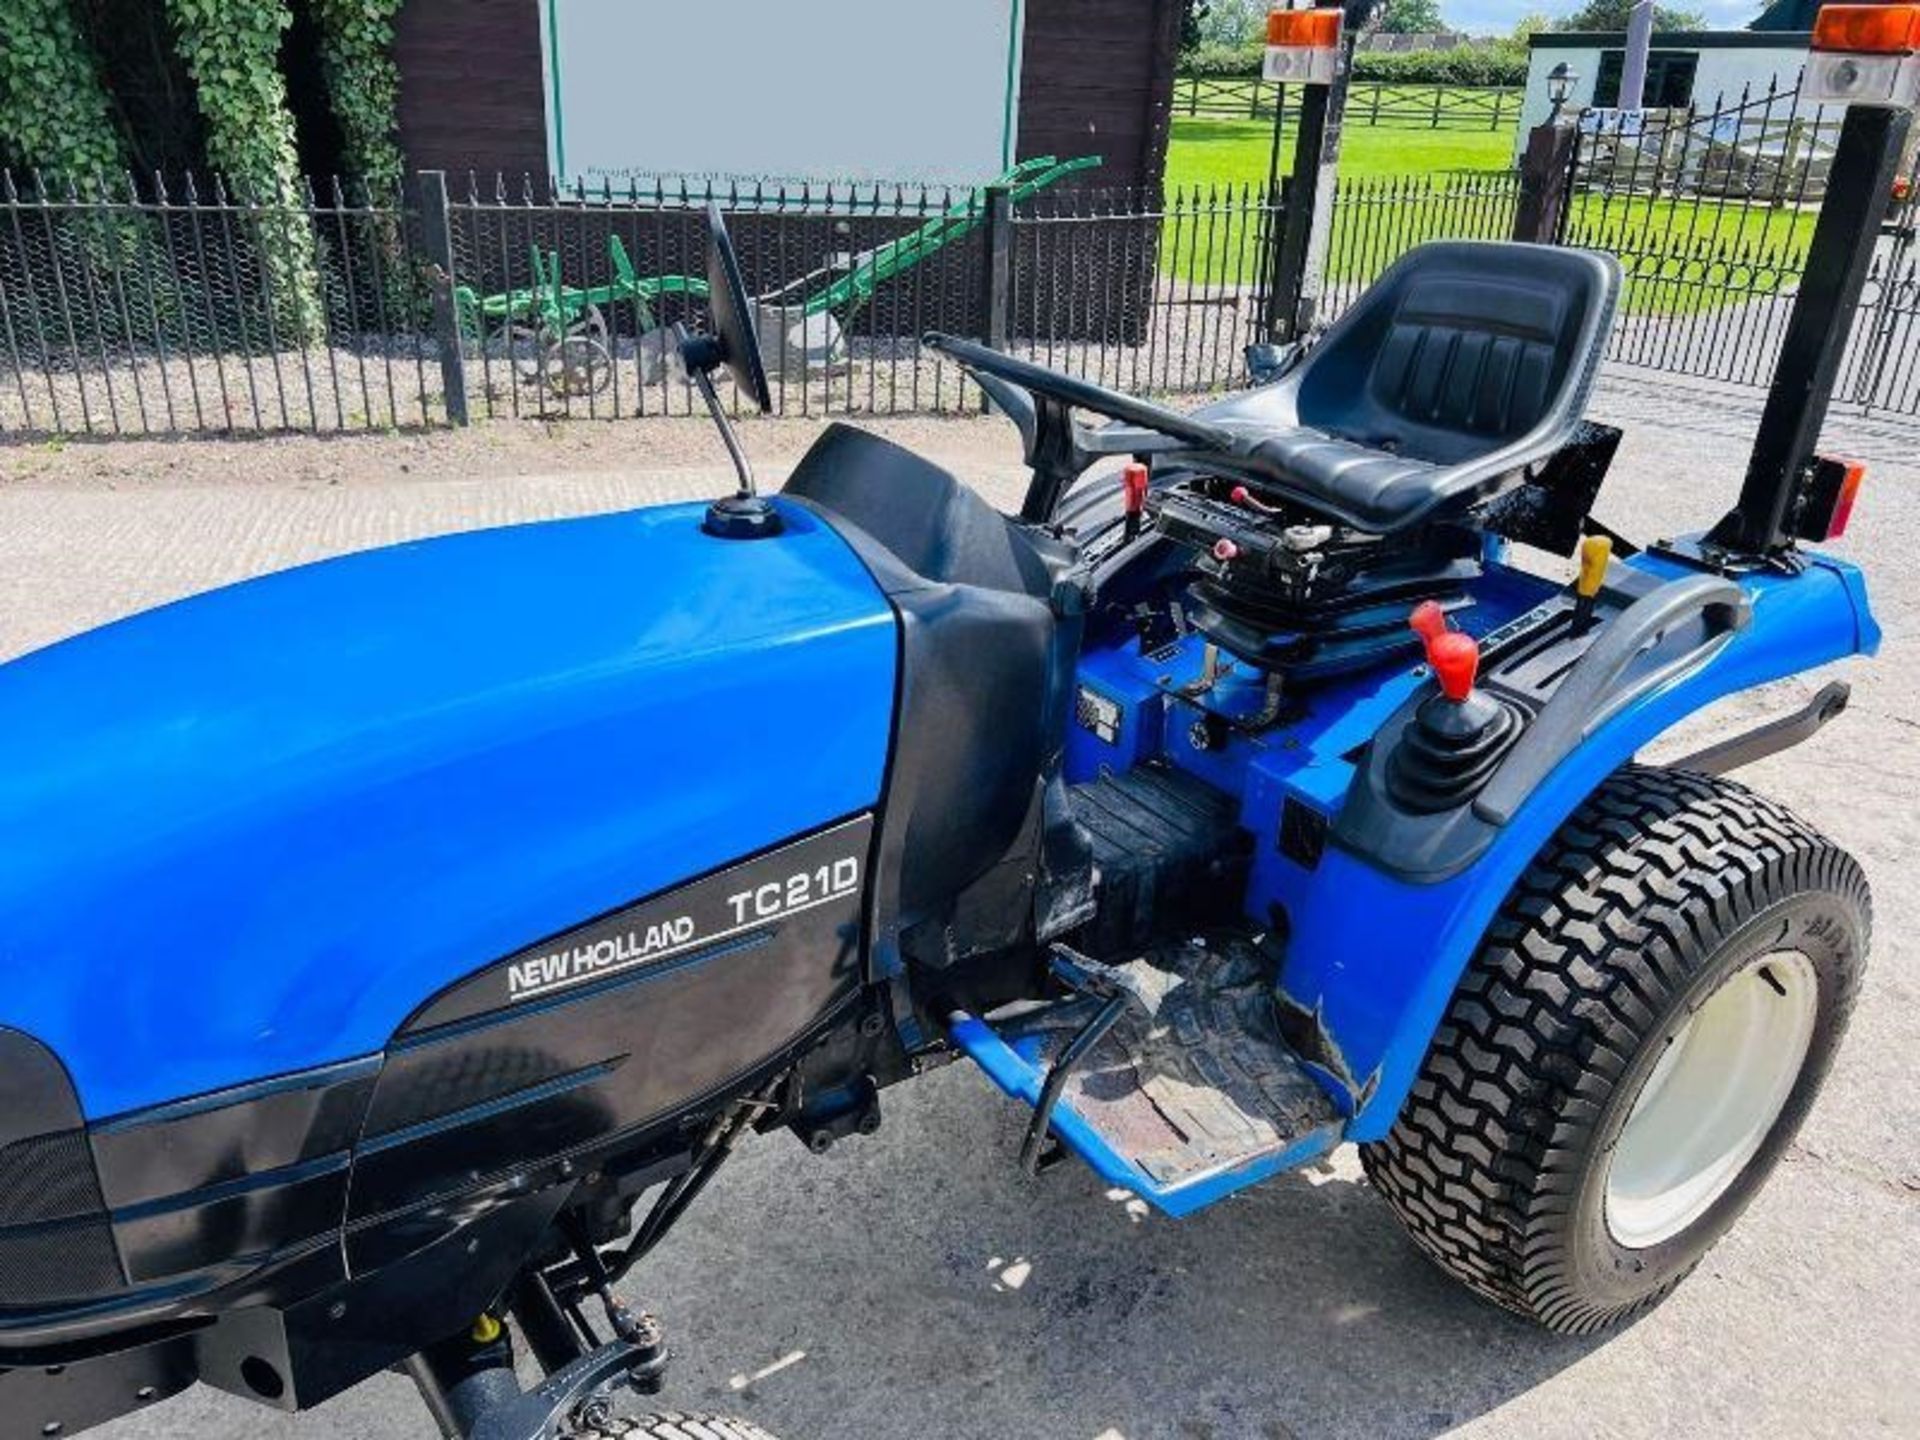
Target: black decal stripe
x: 191, y: 1145
x: 494, y: 1108
x: 247, y: 1220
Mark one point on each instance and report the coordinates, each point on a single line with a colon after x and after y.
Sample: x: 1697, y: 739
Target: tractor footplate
x: 1190, y: 1094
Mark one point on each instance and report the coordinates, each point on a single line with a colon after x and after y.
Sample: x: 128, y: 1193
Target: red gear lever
x: 1133, y: 482
x: 1455, y: 657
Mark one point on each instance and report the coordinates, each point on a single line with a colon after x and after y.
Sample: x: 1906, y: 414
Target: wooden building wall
x: 1096, y: 77
x: 470, y: 86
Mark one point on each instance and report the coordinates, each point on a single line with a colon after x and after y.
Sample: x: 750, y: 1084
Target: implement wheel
x: 1641, y: 1034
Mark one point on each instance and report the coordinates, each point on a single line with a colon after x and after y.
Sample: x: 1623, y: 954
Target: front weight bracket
x: 580, y: 1393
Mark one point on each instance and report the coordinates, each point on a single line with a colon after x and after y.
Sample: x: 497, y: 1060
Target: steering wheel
x: 1041, y: 403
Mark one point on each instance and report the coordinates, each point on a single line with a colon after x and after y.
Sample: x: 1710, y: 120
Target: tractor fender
x: 1373, y: 956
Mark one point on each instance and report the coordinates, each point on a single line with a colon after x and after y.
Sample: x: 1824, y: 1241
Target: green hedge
x: 1500, y: 63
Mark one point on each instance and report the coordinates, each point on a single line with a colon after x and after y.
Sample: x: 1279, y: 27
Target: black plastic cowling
x: 56, y: 1241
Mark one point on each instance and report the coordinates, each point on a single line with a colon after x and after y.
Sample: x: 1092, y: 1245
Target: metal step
x: 1191, y: 1095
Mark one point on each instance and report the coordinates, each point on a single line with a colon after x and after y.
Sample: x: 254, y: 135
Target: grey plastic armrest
x: 1594, y: 692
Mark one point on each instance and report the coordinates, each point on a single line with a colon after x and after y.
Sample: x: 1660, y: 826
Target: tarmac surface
x: 915, y: 1284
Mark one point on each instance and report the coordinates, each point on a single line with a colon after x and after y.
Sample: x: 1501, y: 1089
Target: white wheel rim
x: 1710, y: 1103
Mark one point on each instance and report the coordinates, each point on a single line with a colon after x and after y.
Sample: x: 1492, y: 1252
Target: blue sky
x: 1496, y: 17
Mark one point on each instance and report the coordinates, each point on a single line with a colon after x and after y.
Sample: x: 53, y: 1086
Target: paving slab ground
x: 914, y: 1284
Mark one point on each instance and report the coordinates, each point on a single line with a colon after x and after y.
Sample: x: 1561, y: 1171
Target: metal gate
x: 1711, y: 212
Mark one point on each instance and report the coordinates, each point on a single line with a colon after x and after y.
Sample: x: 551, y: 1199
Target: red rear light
x: 1843, y: 506
x: 1826, y: 498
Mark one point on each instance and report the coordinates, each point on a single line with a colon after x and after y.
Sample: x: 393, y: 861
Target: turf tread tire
x: 1592, y: 950
x: 671, y: 1425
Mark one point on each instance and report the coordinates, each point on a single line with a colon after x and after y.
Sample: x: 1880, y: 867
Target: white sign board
x: 781, y: 90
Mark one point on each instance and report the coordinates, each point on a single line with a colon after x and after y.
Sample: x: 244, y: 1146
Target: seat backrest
x: 1463, y: 347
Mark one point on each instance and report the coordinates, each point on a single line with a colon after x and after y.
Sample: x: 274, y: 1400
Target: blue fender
x: 1377, y: 958
x: 251, y: 832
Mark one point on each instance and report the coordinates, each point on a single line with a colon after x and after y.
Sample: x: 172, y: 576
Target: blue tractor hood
x: 251, y: 832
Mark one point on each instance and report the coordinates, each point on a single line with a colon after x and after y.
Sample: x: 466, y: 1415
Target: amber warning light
x: 1864, y: 55
x: 1303, y: 46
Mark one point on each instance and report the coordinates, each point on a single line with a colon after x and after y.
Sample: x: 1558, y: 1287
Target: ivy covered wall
x: 363, y: 87
x: 54, y: 112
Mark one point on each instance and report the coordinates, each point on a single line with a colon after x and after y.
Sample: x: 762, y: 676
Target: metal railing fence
x: 1385, y: 103
x: 129, y: 308
x: 1376, y: 219
x: 151, y: 309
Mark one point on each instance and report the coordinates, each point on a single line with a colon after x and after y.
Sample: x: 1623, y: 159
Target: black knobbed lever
x: 1459, y: 736
x: 743, y: 515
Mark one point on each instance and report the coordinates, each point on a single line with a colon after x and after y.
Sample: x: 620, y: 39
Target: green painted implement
x: 563, y: 339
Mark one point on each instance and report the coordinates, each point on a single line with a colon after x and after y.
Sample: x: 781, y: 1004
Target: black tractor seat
x: 1466, y: 362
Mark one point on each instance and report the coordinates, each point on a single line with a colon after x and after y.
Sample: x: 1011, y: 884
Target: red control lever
x: 1455, y: 657
x: 1133, y: 497
x: 1225, y: 550
x: 1456, y: 660
x: 1240, y: 495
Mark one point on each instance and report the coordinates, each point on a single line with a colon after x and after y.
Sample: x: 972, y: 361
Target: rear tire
x: 1678, y: 929
x: 672, y: 1426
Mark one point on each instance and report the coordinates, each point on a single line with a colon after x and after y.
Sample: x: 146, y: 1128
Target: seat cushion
x: 1367, y: 479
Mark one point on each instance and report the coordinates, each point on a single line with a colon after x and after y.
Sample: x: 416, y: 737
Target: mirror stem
x: 742, y: 515
x: 703, y: 381
x: 741, y: 465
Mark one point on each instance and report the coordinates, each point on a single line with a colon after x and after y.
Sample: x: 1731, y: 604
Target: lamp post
x: 1560, y: 82
x: 1546, y: 166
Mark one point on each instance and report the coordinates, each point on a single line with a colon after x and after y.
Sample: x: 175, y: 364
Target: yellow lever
x: 1595, y: 552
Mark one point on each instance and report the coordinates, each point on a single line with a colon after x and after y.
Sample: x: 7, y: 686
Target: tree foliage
x: 1193, y: 19
x: 232, y: 51
x: 1411, y: 17
x: 54, y: 115
x: 1233, y: 22
x: 1612, y: 15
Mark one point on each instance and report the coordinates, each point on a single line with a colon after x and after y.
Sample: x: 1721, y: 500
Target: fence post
x: 436, y: 230
x: 996, y: 282
x: 1546, y: 178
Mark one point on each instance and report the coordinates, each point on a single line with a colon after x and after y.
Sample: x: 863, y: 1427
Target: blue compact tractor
x: 394, y: 948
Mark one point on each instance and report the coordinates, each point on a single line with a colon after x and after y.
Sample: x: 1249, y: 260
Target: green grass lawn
x: 1405, y: 186
x: 1235, y: 152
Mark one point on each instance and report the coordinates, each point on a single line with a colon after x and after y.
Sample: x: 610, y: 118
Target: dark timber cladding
x: 470, y: 86
x: 1096, y: 78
